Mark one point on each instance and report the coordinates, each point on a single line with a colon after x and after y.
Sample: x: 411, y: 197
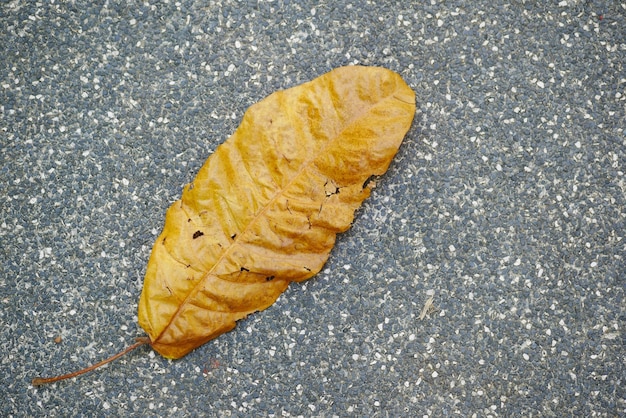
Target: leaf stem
x: 42, y: 381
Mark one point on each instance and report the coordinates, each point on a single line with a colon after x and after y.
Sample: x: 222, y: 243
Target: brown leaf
x: 265, y: 208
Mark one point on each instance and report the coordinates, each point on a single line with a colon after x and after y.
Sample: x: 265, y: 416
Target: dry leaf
x: 264, y: 209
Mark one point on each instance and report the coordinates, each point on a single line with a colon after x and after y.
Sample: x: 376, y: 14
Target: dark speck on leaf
x: 368, y: 181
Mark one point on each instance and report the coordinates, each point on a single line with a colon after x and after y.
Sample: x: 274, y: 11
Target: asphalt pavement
x: 486, y: 275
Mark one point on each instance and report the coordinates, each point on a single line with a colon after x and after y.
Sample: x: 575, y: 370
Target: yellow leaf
x: 265, y: 208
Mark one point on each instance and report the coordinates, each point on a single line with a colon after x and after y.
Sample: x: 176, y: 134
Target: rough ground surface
x: 506, y: 204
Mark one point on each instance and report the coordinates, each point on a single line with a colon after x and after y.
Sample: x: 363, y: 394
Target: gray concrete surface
x: 506, y: 204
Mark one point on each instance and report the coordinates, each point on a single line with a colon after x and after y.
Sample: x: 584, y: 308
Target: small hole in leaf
x: 269, y: 278
x: 243, y: 269
x: 197, y: 234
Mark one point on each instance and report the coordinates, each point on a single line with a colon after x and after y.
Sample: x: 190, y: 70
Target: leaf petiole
x: 42, y: 381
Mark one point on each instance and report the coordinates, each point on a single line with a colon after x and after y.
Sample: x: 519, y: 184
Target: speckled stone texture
x: 506, y: 204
